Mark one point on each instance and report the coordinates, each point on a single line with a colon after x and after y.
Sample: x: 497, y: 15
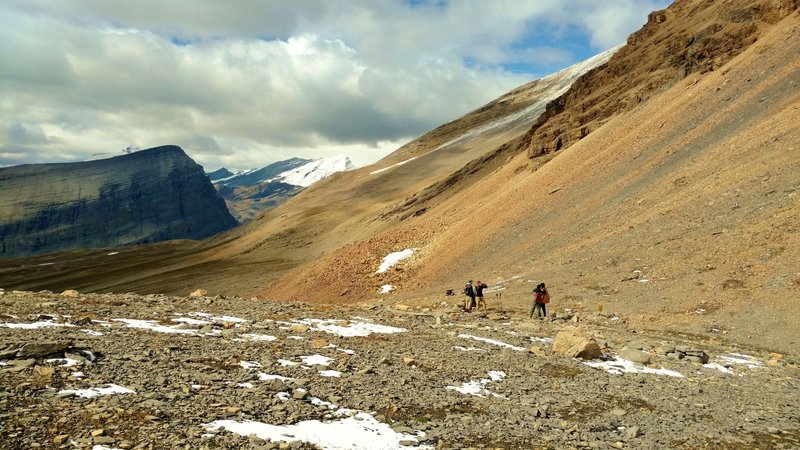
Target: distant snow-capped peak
x: 314, y: 171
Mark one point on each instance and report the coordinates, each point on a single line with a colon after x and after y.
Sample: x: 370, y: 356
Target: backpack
x: 546, y: 297
x: 468, y: 290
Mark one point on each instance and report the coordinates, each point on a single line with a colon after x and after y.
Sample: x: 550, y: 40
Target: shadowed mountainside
x: 147, y: 196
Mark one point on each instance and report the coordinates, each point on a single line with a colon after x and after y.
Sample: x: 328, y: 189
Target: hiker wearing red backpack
x: 540, y: 300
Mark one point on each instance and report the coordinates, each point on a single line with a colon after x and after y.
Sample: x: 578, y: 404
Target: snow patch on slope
x: 391, y: 259
x: 549, y: 87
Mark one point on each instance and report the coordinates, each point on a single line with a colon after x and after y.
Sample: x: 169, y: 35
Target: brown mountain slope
x: 688, y: 177
x: 695, y: 189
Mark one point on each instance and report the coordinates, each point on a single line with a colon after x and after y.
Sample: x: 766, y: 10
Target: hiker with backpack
x: 540, y: 300
x: 469, y: 291
x: 479, y: 293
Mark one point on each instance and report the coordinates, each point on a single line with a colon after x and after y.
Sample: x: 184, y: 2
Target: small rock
x: 298, y: 328
x: 19, y: 365
x: 98, y: 432
x: 407, y: 360
x: 319, y: 343
x: 634, y: 355
x: 9, y: 352
x: 538, y: 351
x: 619, y: 412
x: 366, y: 370
x: 632, y: 433
x: 199, y: 293
x: 60, y: 439
x: 71, y: 293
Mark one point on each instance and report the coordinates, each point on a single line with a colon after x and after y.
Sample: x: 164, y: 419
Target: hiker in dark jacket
x: 469, y: 291
x: 540, y: 300
x: 479, y: 293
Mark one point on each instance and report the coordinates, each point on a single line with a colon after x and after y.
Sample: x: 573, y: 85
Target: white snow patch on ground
x: 65, y: 362
x: 353, y: 329
x: 478, y: 388
x: 190, y: 321
x: 392, y: 259
x: 330, y: 373
x: 103, y: 447
x: 316, y: 360
x: 468, y: 349
x: 152, y: 325
x: 267, y: 376
x: 35, y: 325
x: 493, y: 342
x: 360, y: 431
x: 245, y: 385
x: 230, y: 319
x: 286, y: 362
x: 543, y: 340
x: 92, y: 332
x: 393, y: 166
x: 259, y: 337
x: 737, y: 358
x: 386, y: 288
x: 77, y: 375
x: 716, y: 366
x: 94, y: 392
x: 297, y: 338
x: 282, y: 396
x: 319, y: 402
x: 618, y: 366
x: 112, y: 253
x: 250, y: 364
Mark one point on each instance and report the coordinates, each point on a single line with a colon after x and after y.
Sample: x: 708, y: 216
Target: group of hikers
x: 474, y: 298
x: 474, y: 293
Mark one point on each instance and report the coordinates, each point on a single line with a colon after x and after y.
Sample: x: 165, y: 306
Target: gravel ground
x: 367, y: 377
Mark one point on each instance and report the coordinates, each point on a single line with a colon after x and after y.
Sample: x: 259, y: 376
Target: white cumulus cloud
x: 248, y: 82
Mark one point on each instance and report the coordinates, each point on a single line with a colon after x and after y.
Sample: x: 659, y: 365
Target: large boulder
x: 39, y: 349
x: 576, y: 342
x: 637, y: 356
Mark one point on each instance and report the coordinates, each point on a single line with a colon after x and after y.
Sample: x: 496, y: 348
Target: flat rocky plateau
x: 127, y: 371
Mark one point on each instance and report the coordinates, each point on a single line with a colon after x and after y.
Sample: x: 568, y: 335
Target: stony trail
x: 128, y: 371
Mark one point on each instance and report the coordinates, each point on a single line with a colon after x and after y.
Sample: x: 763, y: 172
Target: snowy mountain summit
x: 250, y: 192
x: 314, y: 171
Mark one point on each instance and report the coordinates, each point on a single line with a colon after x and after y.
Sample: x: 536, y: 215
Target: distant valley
x: 250, y: 192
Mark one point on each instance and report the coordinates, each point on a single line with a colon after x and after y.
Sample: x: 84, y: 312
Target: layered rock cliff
x: 148, y: 196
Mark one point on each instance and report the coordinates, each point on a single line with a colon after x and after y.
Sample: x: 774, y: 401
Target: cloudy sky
x: 244, y: 83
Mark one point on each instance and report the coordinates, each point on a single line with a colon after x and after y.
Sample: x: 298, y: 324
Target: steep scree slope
x: 679, y: 204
